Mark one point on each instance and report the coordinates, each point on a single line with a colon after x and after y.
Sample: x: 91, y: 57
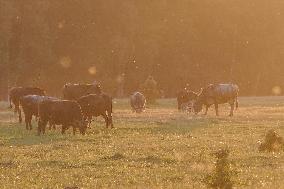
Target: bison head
x: 82, y: 126
x: 184, y: 97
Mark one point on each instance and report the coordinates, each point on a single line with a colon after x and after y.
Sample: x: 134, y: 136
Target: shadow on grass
x: 17, y: 135
x: 170, y: 127
x: 156, y: 160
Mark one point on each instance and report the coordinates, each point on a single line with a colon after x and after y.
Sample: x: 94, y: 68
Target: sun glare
x: 276, y: 90
x: 92, y: 70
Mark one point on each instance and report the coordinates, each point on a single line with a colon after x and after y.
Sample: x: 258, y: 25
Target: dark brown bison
x: 61, y: 112
x: 75, y: 91
x: 17, y: 92
x: 30, y: 104
x: 137, y: 102
x: 184, y: 98
x: 217, y: 94
x: 97, y: 105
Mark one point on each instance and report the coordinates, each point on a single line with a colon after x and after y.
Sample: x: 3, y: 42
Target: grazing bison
x: 137, y: 102
x: 30, y: 104
x: 185, y: 98
x: 97, y: 105
x: 61, y: 112
x: 17, y: 92
x: 217, y: 94
x: 75, y: 91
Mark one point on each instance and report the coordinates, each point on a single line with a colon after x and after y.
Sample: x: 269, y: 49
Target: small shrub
x: 272, y: 142
x: 150, y: 90
x: 221, y: 177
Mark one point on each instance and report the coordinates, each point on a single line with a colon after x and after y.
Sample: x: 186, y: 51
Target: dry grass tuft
x: 272, y: 142
x: 221, y: 177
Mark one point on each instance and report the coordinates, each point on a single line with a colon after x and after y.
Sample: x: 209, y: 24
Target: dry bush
x: 221, y: 177
x: 272, y: 142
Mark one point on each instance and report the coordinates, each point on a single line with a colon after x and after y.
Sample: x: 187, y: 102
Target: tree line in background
x: 48, y: 43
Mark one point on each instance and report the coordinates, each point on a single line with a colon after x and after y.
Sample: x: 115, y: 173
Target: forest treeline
x: 48, y: 43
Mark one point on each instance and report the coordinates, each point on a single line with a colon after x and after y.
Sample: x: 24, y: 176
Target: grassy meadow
x: 161, y: 148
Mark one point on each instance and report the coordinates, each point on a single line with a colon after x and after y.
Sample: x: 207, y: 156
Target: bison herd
x: 82, y: 102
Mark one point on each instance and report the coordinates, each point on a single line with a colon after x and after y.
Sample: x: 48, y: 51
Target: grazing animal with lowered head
x: 137, y: 102
x: 61, y: 112
x: 97, y: 105
x: 217, y: 94
x: 184, y: 98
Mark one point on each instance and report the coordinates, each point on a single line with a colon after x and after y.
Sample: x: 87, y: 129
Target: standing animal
x: 97, y: 105
x: 217, y: 94
x: 184, y: 98
x: 17, y: 92
x: 61, y: 112
x: 137, y: 102
x: 30, y: 104
x: 75, y: 91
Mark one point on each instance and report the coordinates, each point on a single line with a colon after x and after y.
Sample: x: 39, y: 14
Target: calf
x: 75, y: 91
x: 61, y: 112
x: 17, y: 92
x: 137, y: 102
x: 217, y: 94
x: 97, y: 105
x: 30, y: 104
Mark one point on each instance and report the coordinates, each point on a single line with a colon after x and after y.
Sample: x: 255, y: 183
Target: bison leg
x: 63, y: 129
x: 20, y: 114
x: 89, y: 118
x: 216, y: 109
x: 206, y: 110
x: 30, y: 122
x: 41, y: 126
x: 27, y: 122
x: 232, y: 109
x: 109, y: 115
x: 110, y: 121
x: 16, y: 107
x: 106, y: 119
x: 74, y: 130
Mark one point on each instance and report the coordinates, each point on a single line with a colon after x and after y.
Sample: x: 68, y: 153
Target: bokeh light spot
x: 276, y: 90
x: 65, y: 61
x: 92, y: 70
x: 60, y: 25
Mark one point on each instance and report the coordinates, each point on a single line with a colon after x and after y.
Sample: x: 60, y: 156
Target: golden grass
x: 161, y: 148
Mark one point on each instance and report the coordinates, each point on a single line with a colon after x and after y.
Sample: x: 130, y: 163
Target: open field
x: 161, y: 148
